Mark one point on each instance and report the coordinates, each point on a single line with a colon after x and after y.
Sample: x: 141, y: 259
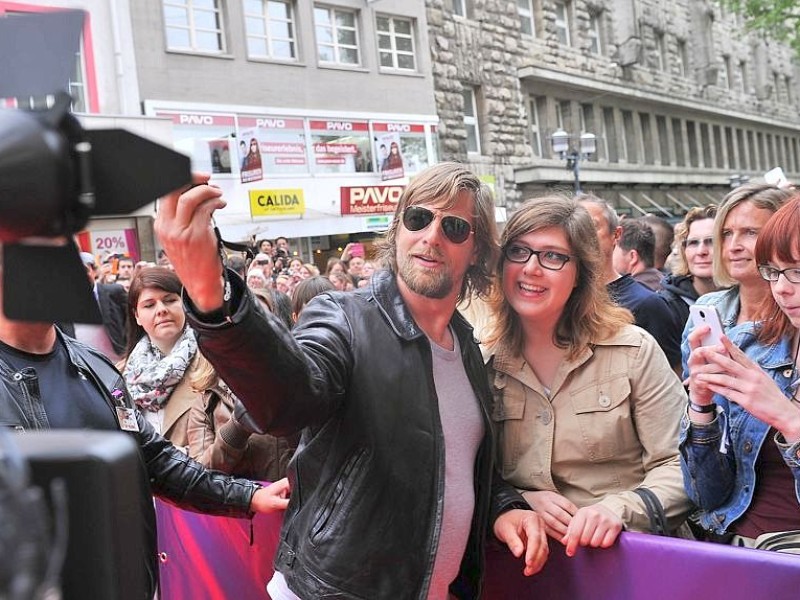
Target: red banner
x: 370, y: 199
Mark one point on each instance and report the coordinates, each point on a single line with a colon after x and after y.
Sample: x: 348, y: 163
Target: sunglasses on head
x: 455, y: 229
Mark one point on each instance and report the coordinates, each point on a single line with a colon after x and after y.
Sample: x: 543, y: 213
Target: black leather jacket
x: 172, y: 475
x: 368, y: 478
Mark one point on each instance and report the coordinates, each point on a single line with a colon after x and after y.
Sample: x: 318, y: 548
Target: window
x: 683, y: 58
x: 610, y: 135
x: 396, y: 43
x: 337, y: 36
x: 413, y: 147
x: 270, y: 29
x: 82, y: 83
x: 705, y: 141
x: 194, y: 26
x: 471, y: 120
x: 677, y: 135
x: 563, y: 18
x: 720, y: 164
x: 536, y: 131
x: 691, y: 141
x: 340, y: 146
x: 630, y: 144
x: 596, y: 33
x: 743, y: 83
x: 789, y: 96
x: 526, y: 23
x: 663, y: 139
x: 776, y: 82
x: 726, y: 63
x: 460, y: 8
x: 647, y: 139
x: 661, y: 50
x: 564, y: 115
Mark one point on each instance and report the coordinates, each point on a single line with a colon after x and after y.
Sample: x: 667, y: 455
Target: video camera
x: 54, y: 174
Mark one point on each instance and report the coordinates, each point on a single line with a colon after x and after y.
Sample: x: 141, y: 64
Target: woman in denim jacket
x: 740, y: 437
x: 740, y: 217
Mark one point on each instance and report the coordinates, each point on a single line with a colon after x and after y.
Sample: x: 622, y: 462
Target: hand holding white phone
x: 707, y: 315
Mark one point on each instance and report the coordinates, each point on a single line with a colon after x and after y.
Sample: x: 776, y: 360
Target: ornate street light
x: 560, y: 142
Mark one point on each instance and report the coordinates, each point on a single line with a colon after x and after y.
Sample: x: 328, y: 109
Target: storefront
x: 319, y: 178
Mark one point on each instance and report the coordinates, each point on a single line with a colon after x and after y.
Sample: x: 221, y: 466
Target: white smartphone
x: 707, y: 315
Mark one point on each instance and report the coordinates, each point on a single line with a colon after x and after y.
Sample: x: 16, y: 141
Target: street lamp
x: 561, y: 146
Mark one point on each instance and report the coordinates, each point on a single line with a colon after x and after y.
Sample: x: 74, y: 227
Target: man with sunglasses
x: 394, y: 487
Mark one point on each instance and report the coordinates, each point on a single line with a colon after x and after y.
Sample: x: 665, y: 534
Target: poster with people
x: 390, y: 159
x: 250, y: 155
x: 220, y: 156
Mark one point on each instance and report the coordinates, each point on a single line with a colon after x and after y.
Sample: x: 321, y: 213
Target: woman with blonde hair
x: 740, y: 217
x: 692, y: 274
x: 586, y: 405
x: 219, y: 442
x: 740, y: 437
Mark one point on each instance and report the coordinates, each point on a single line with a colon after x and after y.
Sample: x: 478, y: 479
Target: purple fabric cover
x: 210, y: 558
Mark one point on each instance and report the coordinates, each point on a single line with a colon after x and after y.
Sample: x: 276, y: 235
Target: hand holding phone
x: 708, y: 315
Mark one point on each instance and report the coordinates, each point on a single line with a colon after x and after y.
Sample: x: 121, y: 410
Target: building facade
x: 682, y: 100
x: 295, y: 107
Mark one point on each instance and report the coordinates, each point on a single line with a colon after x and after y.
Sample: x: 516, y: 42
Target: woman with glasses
x: 586, y: 404
x: 692, y: 274
x: 740, y: 436
x: 740, y: 217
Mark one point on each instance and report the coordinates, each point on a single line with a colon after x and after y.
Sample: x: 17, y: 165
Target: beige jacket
x: 609, y: 425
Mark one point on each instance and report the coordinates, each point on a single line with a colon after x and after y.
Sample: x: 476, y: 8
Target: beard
x: 430, y: 283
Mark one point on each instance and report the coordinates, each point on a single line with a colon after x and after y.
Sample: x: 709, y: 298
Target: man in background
x: 634, y: 253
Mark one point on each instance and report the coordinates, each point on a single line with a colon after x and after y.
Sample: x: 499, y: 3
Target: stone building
x: 682, y: 100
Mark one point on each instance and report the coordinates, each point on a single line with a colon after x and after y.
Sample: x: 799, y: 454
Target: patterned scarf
x: 151, y: 376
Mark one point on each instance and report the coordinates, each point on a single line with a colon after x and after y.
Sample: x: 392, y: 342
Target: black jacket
x: 172, y: 474
x: 367, y: 480
x: 679, y: 293
x: 113, y: 301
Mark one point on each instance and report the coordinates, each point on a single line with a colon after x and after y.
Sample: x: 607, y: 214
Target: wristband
x: 702, y: 408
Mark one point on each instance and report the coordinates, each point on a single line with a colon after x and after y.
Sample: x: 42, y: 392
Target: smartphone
x: 357, y: 249
x: 707, y: 315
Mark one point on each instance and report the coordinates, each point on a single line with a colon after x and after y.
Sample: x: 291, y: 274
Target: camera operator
x: 51, y: 381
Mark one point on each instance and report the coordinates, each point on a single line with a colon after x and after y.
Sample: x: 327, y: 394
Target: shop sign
x: 272, y: 203
x: 370, y: 199
x: 378, y: 222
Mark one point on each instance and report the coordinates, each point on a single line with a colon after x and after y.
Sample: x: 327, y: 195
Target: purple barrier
x: 647, y: 566
x: 210, y: 558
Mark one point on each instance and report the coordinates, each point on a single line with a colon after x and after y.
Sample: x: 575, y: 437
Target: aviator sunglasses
x: 456, y: 229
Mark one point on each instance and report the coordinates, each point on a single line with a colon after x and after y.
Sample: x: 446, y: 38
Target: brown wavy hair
x: 589, y: 315
x: 444, y: 182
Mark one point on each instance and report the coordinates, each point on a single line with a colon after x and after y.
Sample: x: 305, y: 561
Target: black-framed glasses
x: 772, y: 274
x: 456, y: 229
x: 695, y: 243
x: 548, y: 259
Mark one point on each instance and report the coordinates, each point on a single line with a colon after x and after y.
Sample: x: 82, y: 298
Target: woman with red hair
x: 740, y: 436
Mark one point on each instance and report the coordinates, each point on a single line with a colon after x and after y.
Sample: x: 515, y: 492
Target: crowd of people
x: 591, y: 384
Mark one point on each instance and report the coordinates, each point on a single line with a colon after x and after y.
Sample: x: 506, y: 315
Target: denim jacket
x: 718, y: 459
